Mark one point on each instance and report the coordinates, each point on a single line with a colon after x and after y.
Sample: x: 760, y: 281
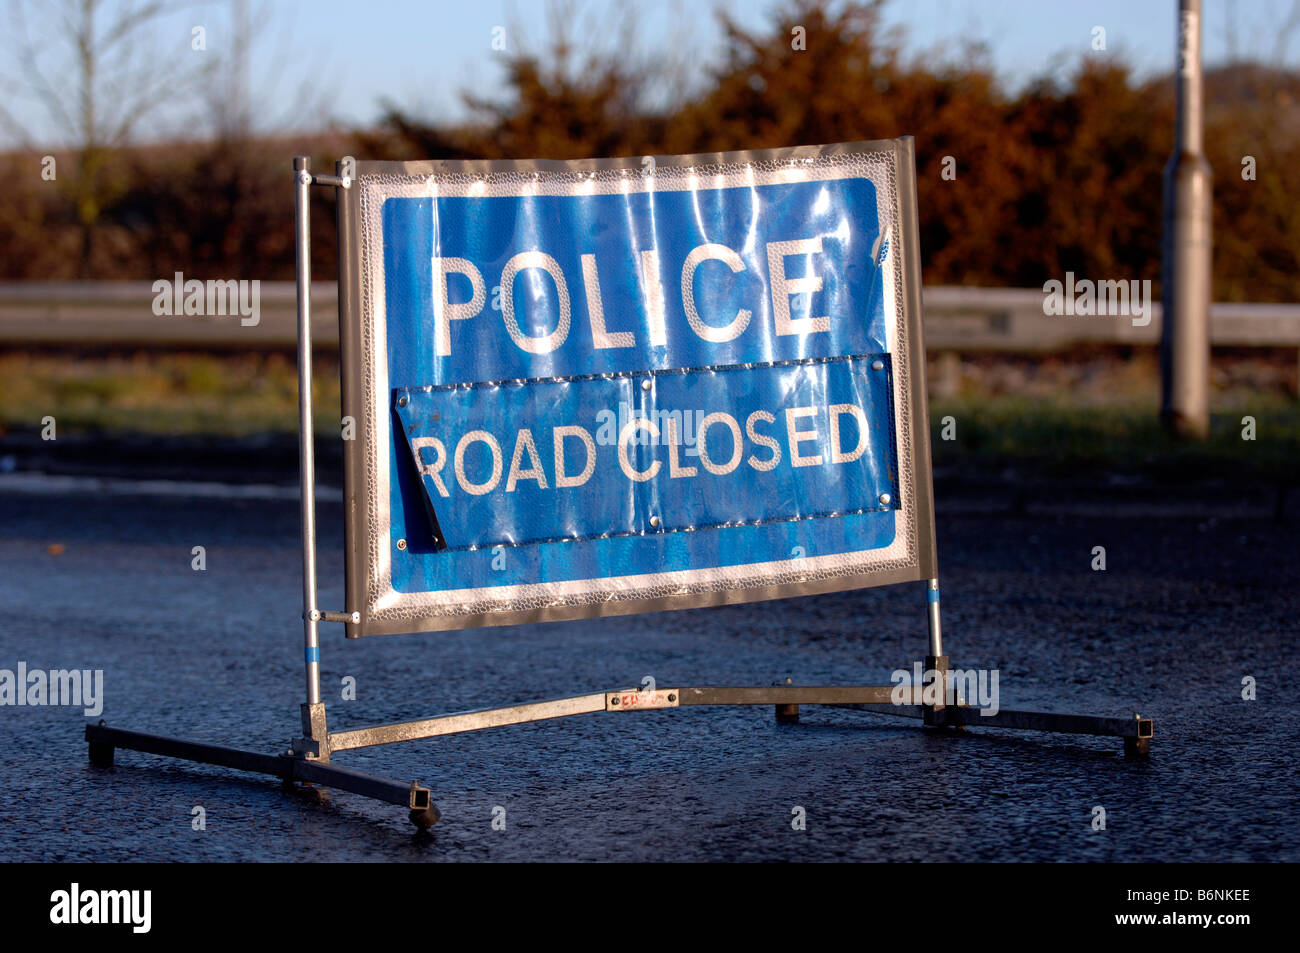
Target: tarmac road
x: 1194, y: 598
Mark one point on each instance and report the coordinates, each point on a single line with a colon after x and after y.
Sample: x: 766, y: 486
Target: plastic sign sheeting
x: 614, y: 386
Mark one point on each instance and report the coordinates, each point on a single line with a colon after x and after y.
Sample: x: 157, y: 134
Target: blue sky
x: 421, y: 54
x: 447, y: 45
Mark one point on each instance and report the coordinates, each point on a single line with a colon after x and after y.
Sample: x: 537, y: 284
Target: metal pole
x: 306, y: 460
x: 936, y: 632
x: 1186, y: 278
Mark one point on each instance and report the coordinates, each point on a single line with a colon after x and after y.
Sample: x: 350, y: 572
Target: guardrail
x: 120, y: 313
x: 1012, y: 319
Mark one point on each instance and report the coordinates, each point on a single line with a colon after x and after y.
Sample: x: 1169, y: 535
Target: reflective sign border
x: 369, y: 589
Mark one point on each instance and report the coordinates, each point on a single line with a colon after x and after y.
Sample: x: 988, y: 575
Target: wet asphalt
x: 1196, y: 596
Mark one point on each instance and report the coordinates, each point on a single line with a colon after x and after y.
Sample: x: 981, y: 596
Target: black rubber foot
x: 426, y: 818
x: 101, y: 755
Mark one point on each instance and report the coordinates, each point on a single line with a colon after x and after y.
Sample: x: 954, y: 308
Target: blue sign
x: 509, y: 287
x: 599, y: 386
x: 538, y: 461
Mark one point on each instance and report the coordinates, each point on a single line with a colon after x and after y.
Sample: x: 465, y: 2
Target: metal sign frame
x: 308, y: 761
x: 370, y: 549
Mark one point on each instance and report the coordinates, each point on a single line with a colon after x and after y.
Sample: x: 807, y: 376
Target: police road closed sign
x: 612, y: 386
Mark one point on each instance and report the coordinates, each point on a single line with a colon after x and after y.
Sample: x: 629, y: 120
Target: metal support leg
x: 934, y: 714
x: 416, y: 798
x: 936, y: 631
x: 306, y: 458
x: 303, y: 767
x: 936, y: 663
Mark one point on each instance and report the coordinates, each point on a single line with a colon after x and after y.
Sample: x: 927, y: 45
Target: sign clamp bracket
x: 307, y: 761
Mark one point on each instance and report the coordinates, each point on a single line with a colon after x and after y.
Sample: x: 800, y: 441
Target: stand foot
x: 101, y: 753
x: 308, y: 778
x: 786, y: 714
x: 1135, y: 731
x: 101, y: 756
x: 1137, y: 747
x: 426, y: 818
x: 308, y: 792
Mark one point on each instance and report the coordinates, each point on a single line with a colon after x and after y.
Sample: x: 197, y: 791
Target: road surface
x: 1196, y: 595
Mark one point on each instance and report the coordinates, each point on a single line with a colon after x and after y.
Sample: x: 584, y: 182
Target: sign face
x: 614, y: 386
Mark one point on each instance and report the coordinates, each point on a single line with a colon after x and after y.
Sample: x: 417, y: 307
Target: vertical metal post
x: 936, y: 663
x: 1186, y: 259
x: 306, y: 458
x: 936, y: 633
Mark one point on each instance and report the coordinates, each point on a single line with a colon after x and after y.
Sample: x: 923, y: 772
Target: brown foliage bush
x: 1063, y: 175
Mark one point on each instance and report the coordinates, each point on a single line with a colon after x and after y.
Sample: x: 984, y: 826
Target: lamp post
x: 1186, y: 262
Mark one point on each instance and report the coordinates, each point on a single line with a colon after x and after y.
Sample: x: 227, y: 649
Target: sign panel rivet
x: 645, y: 385
x: 654, y: 521
x: 403, y: 401
x: 877, y: 365
x: 885, y: 498
x: 401, y: 544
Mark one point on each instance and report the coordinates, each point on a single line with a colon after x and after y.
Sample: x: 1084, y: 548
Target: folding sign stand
x: 309, y: 759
